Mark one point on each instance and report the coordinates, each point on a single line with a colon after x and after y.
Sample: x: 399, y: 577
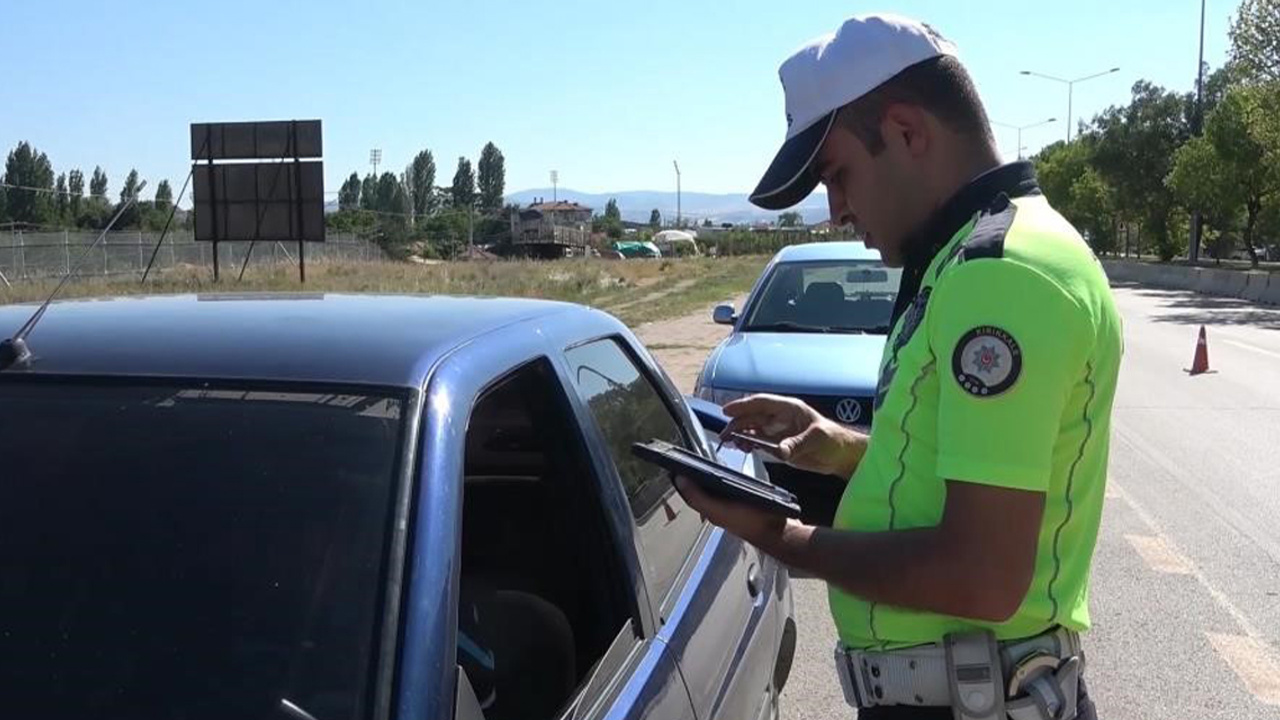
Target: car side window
x: 628, y: 409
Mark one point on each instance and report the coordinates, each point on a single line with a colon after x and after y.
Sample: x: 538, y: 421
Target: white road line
x: 1158, y: 556
x: 1248, y: 655
x: 1212, y: 501
x: 1222, y: 600
x: 1254, y: 348
x: 1252, y: 661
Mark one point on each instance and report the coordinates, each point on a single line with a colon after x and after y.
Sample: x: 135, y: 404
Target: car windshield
x: 830, y: 296
x: 187, y: 552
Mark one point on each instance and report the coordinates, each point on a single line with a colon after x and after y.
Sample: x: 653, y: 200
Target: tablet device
x: 718, y: 480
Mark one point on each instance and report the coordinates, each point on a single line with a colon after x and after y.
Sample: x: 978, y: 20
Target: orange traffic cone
x: 1201, y: 363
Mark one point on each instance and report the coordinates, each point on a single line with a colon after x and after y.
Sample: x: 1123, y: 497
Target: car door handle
x: 753, y: 580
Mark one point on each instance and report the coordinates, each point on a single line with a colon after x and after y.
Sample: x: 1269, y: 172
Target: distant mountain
x: 636, y: 205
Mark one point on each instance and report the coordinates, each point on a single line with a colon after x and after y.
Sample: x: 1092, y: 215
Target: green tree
x: 1134, y: 154
x: 1199, y: 180
x: 463, y: 190
x: 611, y: 223
x: 98, y: 186
x: 164, y: 196
x: 421, y: 181
x: 4, y: 206
x: 791, y: 219
x: 655, y: 219
x: 369, y: 192
x: 349, y: 195
x: 447, y: 232
x: 28, y: 168
x: 390, y: 195
x: 1078, y: 191
x: 1231, y: 169
x: 492, y: 178
x: 61, y: 201
x: 75, y: 186
x: 1255, y: 39
x: 130, y: 186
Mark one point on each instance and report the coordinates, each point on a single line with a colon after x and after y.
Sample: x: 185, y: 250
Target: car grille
x: 826, y: 404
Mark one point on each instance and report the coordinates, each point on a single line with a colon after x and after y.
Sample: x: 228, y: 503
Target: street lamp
x: 1020, y: 128
x: 678, y: 208
x: 1070, y: 86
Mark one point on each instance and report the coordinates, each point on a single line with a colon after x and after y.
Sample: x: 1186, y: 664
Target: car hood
x: 798, y: 363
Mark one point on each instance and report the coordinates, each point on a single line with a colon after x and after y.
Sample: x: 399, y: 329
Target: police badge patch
x: 987, y: 361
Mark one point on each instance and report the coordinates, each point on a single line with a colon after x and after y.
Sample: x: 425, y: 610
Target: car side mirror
x: 724, y: 315
x: 465, y: 704
x: 709, y: 415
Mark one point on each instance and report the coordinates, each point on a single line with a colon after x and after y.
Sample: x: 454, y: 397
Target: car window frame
x: 691, y: 434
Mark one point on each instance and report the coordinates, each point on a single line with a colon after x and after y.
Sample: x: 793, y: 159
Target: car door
x: 716, y: 598
x: 636, y: 677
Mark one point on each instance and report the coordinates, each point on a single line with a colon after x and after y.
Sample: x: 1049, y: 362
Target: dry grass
x: 634, y: 290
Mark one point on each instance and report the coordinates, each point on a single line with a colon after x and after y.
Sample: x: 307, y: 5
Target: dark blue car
x: 351, y: 507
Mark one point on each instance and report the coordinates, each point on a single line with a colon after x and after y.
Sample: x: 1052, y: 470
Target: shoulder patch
x: 987, y: 361
x: 987, y: 238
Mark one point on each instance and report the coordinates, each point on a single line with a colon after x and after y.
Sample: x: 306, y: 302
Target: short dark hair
x: 940, y: 85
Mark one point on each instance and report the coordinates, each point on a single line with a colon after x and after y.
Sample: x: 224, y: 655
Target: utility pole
x: 555, y: 185
x: 1070, y: 88
x: 1020, y: 128
x: 375, y: 157
x: 679, y: 216
x: 1197, y: 221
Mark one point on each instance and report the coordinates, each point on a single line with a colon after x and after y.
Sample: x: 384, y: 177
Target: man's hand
x: 806, y: 439
x: 762, y: 529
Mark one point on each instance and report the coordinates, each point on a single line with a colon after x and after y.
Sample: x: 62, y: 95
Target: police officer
x: 958, y: 561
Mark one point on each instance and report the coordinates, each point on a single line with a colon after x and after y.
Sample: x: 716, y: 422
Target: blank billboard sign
x: 277, y: 201
x: 256, y: 140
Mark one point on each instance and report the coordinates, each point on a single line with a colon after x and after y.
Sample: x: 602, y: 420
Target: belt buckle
x: 852, y: 680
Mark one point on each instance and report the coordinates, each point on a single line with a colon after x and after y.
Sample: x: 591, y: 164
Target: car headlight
x: 720, y: 397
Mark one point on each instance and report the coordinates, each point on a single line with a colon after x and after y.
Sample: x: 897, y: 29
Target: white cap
x: 828, y: 73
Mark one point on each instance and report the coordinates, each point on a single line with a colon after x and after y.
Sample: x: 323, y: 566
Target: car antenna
x: 14, y: 350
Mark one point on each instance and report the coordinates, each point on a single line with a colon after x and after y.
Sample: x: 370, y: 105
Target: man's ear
x: 906, y: 127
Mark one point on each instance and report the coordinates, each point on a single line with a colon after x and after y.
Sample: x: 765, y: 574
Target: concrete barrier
x: 1255, y: 288
x: 1259, y: 287
x: 1272, y: 294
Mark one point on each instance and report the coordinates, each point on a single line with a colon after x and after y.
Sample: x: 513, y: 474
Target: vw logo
x: 848, y: 411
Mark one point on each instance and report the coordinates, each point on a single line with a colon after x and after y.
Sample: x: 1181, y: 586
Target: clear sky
x: 606, y: 92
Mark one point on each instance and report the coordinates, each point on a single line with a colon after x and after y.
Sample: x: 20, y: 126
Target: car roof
x: 843, y: 250
x: 343, y: 339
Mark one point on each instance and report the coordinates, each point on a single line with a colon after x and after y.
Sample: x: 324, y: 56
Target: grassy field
x: 636, y: 291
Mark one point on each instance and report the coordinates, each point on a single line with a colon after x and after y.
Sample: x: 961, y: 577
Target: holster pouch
x: 974, y: 676
x: 1051, y: 695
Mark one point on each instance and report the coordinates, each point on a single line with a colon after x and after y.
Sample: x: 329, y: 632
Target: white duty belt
x: 1035, y: 678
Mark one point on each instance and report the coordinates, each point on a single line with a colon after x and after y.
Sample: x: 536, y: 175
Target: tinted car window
x: 826, y: 296
x: 628, y: 410
x: 191, y: 553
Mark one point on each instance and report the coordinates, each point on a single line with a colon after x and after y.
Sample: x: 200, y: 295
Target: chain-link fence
x: 41, y: 255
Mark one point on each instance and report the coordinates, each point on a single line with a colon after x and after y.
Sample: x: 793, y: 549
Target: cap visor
x: 791, y: 177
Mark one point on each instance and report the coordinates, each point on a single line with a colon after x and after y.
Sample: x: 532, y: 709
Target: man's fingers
x: 761, y: 404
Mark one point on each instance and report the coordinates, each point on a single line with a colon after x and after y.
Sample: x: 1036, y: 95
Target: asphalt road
x: 1186, y: 583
